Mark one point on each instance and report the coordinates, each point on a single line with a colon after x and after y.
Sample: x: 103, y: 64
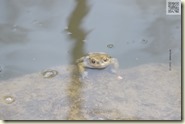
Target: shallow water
x: 41, y: 40
x: 38, y: 34
x: 146, y: 92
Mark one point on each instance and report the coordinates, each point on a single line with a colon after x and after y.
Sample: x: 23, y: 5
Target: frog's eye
x: 105, y: 59
x: 93, y: 61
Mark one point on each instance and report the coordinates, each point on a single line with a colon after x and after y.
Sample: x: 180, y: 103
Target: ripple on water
x: 1, y: 69
x: 144, y: 41
x: 110, y: 45
x: 49, y: 73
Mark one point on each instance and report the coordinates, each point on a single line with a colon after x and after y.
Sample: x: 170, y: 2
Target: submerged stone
x: 146, y: 92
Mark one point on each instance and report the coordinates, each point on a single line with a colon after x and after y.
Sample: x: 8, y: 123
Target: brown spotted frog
x: 97, y: 60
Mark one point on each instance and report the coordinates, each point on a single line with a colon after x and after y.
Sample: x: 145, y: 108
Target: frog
x: 97, y: 60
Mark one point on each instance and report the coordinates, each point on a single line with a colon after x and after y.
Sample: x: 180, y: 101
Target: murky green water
x: 39, y: 34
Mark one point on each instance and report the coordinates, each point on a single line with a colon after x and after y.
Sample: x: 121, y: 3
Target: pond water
x: 40, y: 41
x: 38, y: 34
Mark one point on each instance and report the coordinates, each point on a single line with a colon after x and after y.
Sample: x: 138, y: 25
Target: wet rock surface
x: 146, y: 92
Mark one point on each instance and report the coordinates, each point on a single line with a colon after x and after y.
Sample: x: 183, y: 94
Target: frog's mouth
x: 99, y: 66
x: 96, y: 67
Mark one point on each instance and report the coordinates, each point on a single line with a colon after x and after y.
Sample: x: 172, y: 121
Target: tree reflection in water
x: 77, y: 34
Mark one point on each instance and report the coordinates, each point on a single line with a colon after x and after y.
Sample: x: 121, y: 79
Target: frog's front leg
x: 82, y: 71
x: 115, y: 65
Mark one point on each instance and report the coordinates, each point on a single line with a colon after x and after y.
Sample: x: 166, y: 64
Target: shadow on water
x: 77, y: 35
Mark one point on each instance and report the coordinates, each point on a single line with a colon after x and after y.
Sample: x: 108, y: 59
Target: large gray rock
x: 146, y: 92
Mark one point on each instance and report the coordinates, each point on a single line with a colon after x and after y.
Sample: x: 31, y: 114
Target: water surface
x: 37, y: 34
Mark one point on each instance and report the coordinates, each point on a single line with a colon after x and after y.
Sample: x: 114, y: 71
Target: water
x: 34, y: 35
x: 39, y: 35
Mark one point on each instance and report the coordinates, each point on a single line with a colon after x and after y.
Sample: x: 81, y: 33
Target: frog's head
x: 99, y: 60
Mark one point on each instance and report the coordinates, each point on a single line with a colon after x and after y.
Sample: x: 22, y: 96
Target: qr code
x: 173, y: 7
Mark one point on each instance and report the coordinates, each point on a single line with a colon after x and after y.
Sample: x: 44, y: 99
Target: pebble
x: 9, y: 99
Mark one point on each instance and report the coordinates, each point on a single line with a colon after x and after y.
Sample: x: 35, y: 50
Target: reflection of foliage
x: 75, y: 20
x: 12, y: 34
x: 158, y: 30
x: 78, y: 34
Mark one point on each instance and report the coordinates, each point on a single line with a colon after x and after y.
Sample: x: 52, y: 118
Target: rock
x: 146, y: 92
